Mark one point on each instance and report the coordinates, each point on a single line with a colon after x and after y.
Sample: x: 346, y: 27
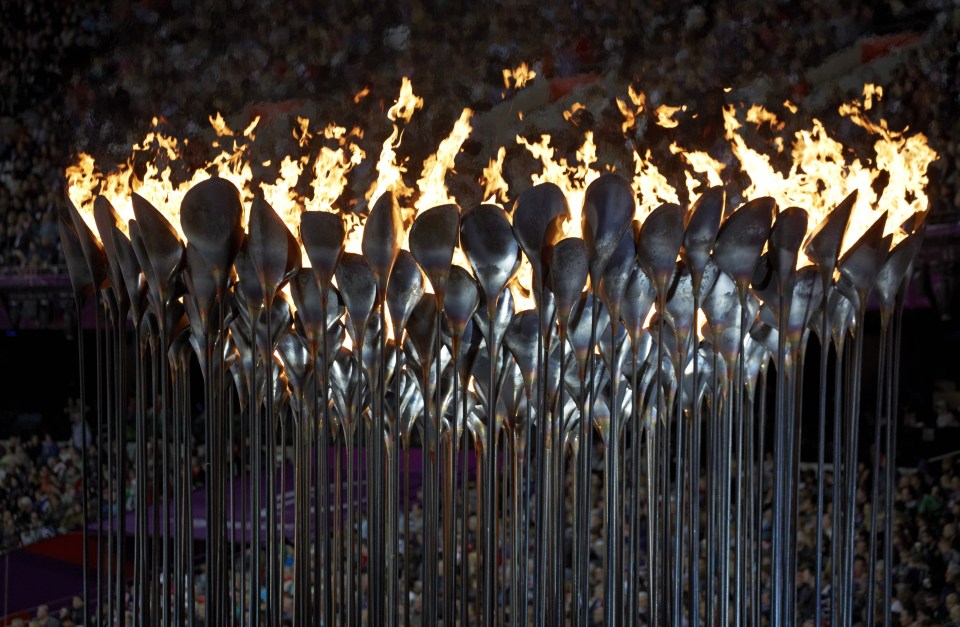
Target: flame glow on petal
x: 572, y: 179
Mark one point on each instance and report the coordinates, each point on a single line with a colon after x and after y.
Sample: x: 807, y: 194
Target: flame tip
x: 823, y: 172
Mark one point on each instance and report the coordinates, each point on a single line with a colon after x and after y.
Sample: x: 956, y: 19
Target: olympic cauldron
x: 664, y: 353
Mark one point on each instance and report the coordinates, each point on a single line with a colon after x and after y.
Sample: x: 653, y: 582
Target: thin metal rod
x: 325, y: 429
x: 499, y: 516
x: 256, y: 478
x: 655, y: 546
x: 482, y: 462
x: 464, y: 504
x: 542, y: 480
x: 778, y: 547
x: 449, y: 505
x: 893, y: 392
x: 851, y: 467
x: 244, y: 481
x: 209, y: 490
x: 740, y: 526
x: 678, y: 496
x: 875, y: 471
x: 232, y: 515
x: 694, y: 472
x: 273, y: 550
x: 554, y: 457
x: 761, y: 499
x: 348, y: 435
x: 489, y: 524
x: 121, y: 394
x: 586, y: 420
x: 431, y: 470
x: 633, y: 512
x: 795, y: 427
x: 713, y: 425
x: 837, y: 542
x: 821, y: 448
x: 377, y: 514
x: 84, y: 470
x: 392, y: 495
x: 139, y: 474
x: 613, y: 527
x: 407, y: 561
x: 339, y: 555
x: 179, y: 376
x: 517, y: 553
x: 112, y: 513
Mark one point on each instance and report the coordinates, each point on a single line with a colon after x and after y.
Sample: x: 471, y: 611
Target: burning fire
x: 519, y: 76
x: 822, y: 171
x: 495, y: 187
x: 639, y: 101
x: 665, y: 115
x: 432, y: 186
x: 573, y: 179
x: 389, y: 170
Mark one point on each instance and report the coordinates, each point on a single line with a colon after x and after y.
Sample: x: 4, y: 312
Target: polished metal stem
x: 489, y: 489
x: 875, y: 469
x: 893, y: 392
x: 583, y: 494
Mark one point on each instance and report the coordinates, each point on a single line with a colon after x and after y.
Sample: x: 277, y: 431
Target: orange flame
x: 820, y: 170
x: 573, y: 179
x: 700, y: 163
x: 85, y: 181
x: 495, y: 187
x: 650, y: 186
x: 519, y: 76
x: 756, y: 114
x: 432, y: 182
x: 665, y: 115
x: 389, y: 170
x: 639, y: 100
x: 360, y: 95
x: 569, y: 114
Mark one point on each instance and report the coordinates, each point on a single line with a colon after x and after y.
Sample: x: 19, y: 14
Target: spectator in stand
x: 945, y: 416
x: 44, y: 619
x: 39, y: 483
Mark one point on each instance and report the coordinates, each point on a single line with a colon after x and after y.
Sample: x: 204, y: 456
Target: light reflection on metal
x: 361, y: 368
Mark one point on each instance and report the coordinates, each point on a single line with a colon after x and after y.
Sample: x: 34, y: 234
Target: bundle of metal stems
x: 676, y: 344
